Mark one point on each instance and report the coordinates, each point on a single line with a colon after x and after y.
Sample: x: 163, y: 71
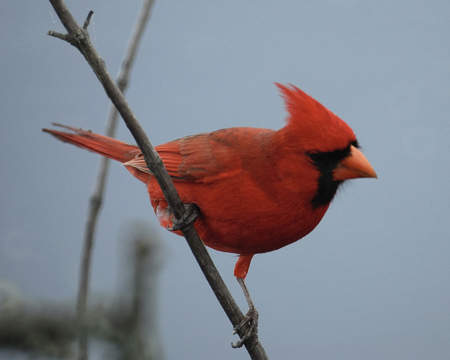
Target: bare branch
x: 96, y: 198
x: 58, y: 35
x: 88, y: 20
x: 154, y: 163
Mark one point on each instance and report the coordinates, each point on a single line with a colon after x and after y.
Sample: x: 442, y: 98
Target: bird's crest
x: 317, y: 127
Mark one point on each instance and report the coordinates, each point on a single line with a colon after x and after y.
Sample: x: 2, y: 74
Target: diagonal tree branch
x: 96, y: 199
x: 80, y: 39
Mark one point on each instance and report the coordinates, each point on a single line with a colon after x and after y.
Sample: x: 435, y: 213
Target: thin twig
x: 142, y: 341
x: 59, y: 35
x: 96, y: 198
x: 88, y: 20
x: 154, y: 163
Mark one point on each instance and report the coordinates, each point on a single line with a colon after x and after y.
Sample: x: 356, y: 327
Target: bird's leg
x: 191, y: 212
x: 251, y: 318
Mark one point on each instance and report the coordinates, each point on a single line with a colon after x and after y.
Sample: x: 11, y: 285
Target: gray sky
x: 370, y: 282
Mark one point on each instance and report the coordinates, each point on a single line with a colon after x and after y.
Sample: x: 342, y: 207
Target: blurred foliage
x: 126, y: 322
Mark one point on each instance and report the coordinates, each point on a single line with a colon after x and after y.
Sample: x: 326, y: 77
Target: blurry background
x: 372, y: 281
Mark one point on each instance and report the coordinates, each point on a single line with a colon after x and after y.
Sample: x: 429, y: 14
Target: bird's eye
x: 329, y: 159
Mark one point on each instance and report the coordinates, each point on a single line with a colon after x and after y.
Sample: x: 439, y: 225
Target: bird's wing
x: 200, y: 158
x: 196, y: 162
x: 204, y: 158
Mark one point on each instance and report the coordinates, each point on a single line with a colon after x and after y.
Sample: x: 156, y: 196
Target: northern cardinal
x: 257, y: 190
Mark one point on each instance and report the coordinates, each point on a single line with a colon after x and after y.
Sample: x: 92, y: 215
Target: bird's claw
x: 251, y: 318
x: 191, y: 212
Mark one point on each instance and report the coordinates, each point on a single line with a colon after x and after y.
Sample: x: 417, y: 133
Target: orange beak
x: 354, y: 166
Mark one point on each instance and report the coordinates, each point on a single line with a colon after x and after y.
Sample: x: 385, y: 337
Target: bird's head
x: 328, y: 142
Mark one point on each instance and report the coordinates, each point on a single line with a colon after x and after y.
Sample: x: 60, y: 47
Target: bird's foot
x: 191, y: 212
x: 250, y: 321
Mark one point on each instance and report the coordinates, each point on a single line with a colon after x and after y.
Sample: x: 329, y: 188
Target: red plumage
x: 255, y: 188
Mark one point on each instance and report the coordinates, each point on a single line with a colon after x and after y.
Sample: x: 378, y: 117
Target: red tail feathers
x: 106, y: 146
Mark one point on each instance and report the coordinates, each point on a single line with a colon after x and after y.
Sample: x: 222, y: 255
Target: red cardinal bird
x: 257, y: 190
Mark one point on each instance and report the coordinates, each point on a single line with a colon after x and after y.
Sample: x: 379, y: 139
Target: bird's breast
x: 244, y: 216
